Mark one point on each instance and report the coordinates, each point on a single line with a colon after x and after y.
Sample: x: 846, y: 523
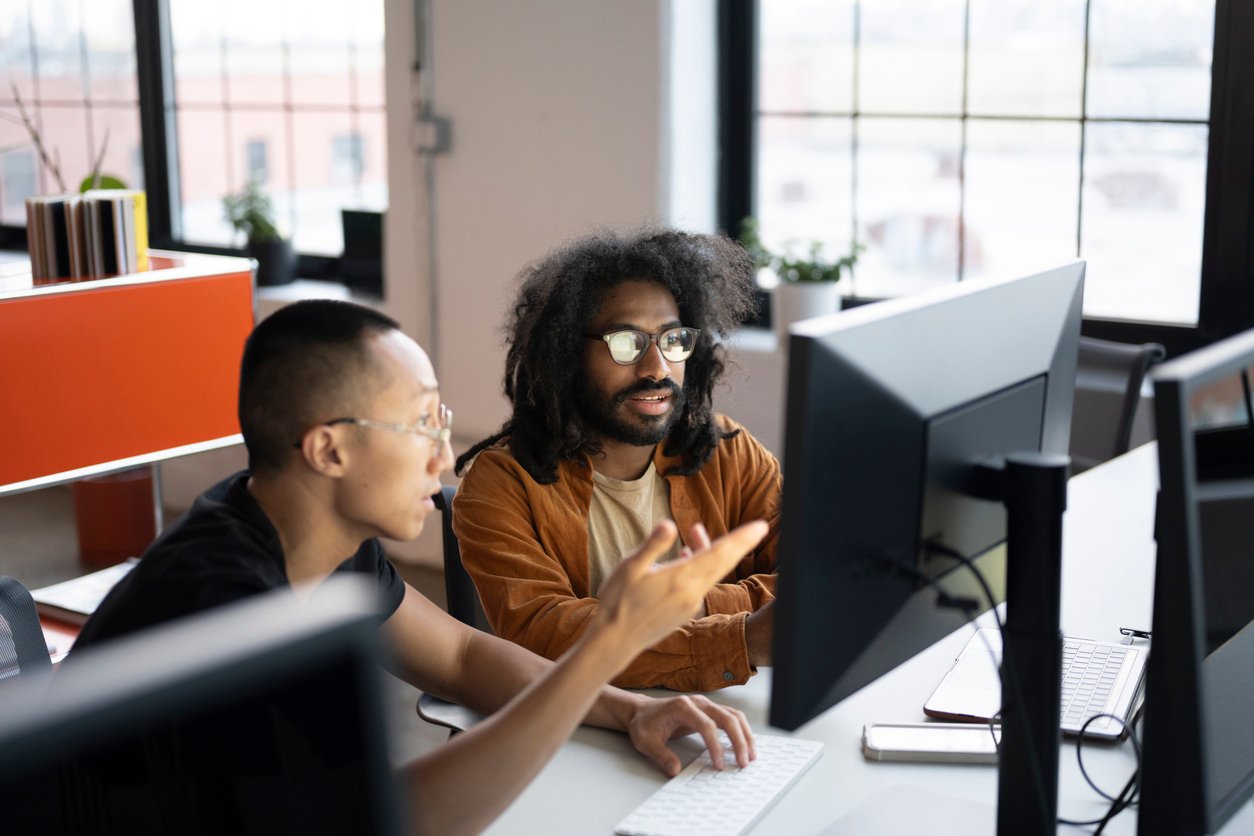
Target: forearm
x: 465, y: 784
x: 493, y: 672
x: 513, y: 668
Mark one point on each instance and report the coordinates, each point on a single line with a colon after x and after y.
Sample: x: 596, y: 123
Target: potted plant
x: 806, y: 284
x: 251, y: 212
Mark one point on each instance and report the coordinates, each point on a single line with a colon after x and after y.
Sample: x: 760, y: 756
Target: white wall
x: 406, y: 239
x: 560, y: 123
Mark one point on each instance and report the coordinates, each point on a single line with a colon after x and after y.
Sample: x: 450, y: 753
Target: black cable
x: 1008, y: 672
x: 1128, y: 796
x: 1079, y: 752
x: 1132, y: 789
x: 943, y: 550
x: 969, y: 607
x: 1118, y: 805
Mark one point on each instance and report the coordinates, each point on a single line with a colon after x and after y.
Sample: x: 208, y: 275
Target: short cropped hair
x: 711, y: 278
x: 301, y: 364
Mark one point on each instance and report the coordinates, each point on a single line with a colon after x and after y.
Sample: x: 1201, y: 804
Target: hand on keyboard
x: 658, y: 721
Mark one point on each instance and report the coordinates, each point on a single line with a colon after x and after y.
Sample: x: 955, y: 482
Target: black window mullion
x: 737, y: 110
x: 1227, y: 294
x: 155, y: 74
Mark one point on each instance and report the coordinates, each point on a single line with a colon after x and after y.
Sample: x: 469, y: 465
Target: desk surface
x: 59, y: 636
x: 1108, y: 563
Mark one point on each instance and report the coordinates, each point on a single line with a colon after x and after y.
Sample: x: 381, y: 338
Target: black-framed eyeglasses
x: 440, y: 431
x: 629, y: 346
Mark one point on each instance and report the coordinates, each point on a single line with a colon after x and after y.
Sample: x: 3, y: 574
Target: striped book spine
x: 53, y: 237
x: 115, y: 224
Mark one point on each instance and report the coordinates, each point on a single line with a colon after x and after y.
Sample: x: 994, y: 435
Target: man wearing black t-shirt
x: 347, y: 438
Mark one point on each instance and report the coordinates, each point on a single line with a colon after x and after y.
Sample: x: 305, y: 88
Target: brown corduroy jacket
x: 526, y: 547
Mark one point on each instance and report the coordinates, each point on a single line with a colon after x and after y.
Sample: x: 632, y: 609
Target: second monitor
x: 891, y: 408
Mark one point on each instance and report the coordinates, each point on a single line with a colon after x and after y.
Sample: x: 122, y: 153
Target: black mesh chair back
x: 463, y: 604
x: 1108, y: 383
x: 463, y: 598
x: 22, y: 645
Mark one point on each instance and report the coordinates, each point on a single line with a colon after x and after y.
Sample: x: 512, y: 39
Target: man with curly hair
x: 614, y: 350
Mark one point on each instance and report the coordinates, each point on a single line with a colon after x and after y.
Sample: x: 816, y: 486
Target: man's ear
x: 321, y: 449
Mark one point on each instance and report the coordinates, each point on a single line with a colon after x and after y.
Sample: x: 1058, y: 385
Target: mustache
x: 650, y: 387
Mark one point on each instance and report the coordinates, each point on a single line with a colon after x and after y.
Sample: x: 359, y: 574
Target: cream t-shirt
x: 621, y: 515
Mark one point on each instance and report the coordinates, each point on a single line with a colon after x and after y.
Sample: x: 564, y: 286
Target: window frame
x: 154, y: 68
x: 1226, y: 303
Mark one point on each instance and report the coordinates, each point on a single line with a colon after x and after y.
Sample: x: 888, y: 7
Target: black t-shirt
x: 222, y: 550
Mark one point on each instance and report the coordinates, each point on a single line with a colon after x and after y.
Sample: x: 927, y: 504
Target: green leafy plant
x: 251, y: 213
x: 813, y: 266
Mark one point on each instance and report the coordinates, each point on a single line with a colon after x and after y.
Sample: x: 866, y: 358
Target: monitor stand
x: 1033, y: 487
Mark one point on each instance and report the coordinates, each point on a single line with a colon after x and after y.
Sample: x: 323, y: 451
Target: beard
x: 604, y: 413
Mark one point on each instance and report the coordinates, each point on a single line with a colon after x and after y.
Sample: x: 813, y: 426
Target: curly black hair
x: 711, y: 278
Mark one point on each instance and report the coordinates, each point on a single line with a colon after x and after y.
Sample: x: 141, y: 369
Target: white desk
x: 597, y: 778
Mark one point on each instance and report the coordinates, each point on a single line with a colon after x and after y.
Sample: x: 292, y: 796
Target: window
x: 962, y: 138
x: 348, y: 158
x: 288, y: 92
x: 72, y: 67
x: 293, y: 79
x: 17, y: 174
x: 256, y: 152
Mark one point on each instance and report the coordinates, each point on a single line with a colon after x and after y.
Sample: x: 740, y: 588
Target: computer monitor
x: 898, y: 417
x: 889, y: 407
x: 1198, y: 766
x: 262, y: 717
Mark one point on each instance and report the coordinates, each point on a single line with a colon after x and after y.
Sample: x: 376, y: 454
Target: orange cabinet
x: 98, y: 375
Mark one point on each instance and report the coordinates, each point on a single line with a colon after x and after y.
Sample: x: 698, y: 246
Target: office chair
x: 22, y: 646
x: 463, y: 604
x: 463, y: 598
x: 1107, y: 392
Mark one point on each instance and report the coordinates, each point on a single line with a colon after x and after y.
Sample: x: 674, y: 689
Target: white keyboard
x: 703, y: 800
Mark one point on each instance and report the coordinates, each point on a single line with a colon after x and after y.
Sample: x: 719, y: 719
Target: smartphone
x: 931, y: 742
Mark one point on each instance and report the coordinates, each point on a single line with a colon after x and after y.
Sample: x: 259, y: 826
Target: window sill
x: 304, y: 289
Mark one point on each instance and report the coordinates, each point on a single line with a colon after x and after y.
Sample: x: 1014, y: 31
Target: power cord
x: 970, y: 607
x: 1008, y: 672
x: 1129, y: 795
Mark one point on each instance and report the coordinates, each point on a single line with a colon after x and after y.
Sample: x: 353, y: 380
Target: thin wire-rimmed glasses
x: 440, y: 433
x: 629, y: 346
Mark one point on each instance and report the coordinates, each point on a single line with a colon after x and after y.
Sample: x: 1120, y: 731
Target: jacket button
x: 728, y: 676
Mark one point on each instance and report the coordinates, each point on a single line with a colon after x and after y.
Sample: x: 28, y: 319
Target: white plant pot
x: 795, y: 301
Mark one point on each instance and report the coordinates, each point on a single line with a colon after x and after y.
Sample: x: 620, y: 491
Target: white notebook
x: 1097, y: 678
x: 74, y: 601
